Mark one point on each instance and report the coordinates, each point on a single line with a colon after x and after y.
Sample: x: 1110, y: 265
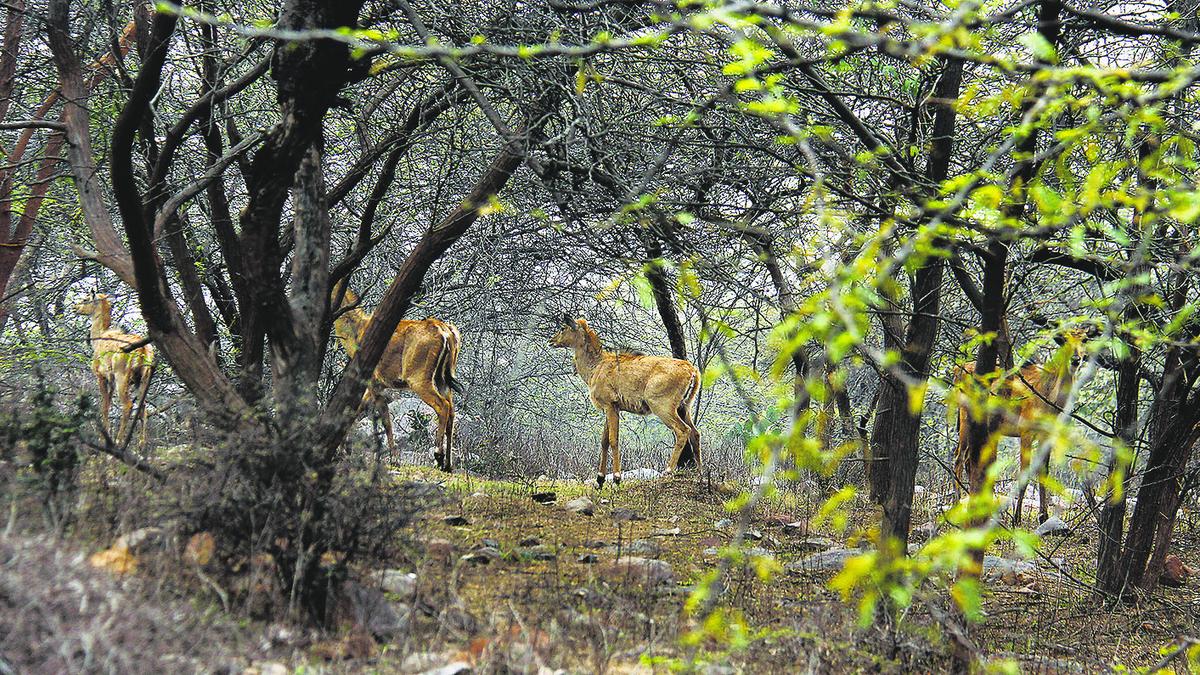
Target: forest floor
x: 489, y: 578
x: 506, y: 581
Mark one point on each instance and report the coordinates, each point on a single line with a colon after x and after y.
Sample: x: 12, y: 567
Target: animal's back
x: 633, y: 381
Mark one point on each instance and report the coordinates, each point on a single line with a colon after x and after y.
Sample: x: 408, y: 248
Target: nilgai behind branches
x: 116, y: 366
x: 633, y: 383
x: 1036, y: 390
x: 420, y: 357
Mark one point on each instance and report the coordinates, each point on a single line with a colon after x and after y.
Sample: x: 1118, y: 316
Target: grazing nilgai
x: 633, y: 383
x: 1035, y: 390
x: 116, y: 366
x: 421, y: 357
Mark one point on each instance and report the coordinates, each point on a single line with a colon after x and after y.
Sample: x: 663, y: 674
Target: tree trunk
x: 895, y: 439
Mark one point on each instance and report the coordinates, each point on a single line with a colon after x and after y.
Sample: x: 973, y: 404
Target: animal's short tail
x: 448, y: 360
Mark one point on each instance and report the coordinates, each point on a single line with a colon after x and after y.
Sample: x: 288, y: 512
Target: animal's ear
x: 567, y: 320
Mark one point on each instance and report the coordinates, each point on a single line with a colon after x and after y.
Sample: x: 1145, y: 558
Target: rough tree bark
x: 895, y: 438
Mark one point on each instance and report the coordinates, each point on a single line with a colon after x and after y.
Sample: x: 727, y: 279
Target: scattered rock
x: 717, y: 669
x: 403, y: 584
x: 142, y: 539
x: 419, y: 662
x: 373, y: 613
x: 530, y: 541
x: 644, y: 547
x: 481, y: 555
x: 1053, y: 527
x: 919, y: 490
x: 754, y: 535
x: 711, y: 541
x: 491, y: 543
x: 423, y: 490
x: 799, y: 527
x: 545, y: 497
x: 825, y: 561
x: 671, y: 532
x: 271, y: 668
x: 923, y: 532
x: 439, y: 548
x: 638, y: 570
x: 644, y: 473
x: 476, y: 499
x: 1008, y: 572
x: 626, y: 515
x: 459, y: 620
x: 456, y: 521
x: 456, y: 668
x: 539, y: 552
x: 580, y: 505
x: 723, y: 524
x: 588, y: 558
x: 1175, y: 572
x: 813, y: 544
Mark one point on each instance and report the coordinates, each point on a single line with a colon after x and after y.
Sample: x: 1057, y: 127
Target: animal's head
x: 97, y: 303
x: 348, y: 297
x: 1072, y: 345
x: 572, y: 332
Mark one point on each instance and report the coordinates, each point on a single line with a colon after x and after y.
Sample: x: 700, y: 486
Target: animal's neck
x: 349, y: 328
x: 587, y: 356
x: 101, y: 322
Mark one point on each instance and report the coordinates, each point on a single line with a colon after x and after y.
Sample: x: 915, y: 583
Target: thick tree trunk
x: 895, y: 439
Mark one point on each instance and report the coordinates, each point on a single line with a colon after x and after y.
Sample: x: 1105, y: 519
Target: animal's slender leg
x: 105, y: 401
x: 960, y: 454
x: 614, y: 435
x: 449, y: 434
x: 441, y: 406
x: 693, y: 433
x: 147, y: 372
x: 1026, y: 454
x: 670, y: 417
x: 126, y: 404
x: 605, y: 443
x: 385, y: 418
x: 1042, y: 471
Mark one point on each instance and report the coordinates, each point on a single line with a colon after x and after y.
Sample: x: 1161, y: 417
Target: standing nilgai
x: 421, y: 357
x: 116, y: 366
x: 1035, y: 392
x: 633, y: 383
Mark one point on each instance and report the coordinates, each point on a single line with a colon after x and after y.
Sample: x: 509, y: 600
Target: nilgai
x: 421, y: 357
x: 1036, y: 390
x: 633, y: 383
x: 116, y: 366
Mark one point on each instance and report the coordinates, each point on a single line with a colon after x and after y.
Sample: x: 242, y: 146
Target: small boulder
x: 481, y: 555
x: 545, y: 497
x: 419, y: 662
x: 529, y: 541
x: 1175, y: 572
x: 1053, y: 527
x: 373, y: 613
x: 456, y: 521
x: 456, y: 668
x: 399, y: 582
x: 580, y: 505
x: 667, y: 532
x: 644, y: 547
x: 825, y: 561
x: 1008, y: 572
x: 626, y: 515
x: 539, y: 552
x: 638, y: 570
x: 588, y: 558
x: 459, y: 620
x: 141, y: 539
x: 723, y: 524
x: 644, y: 473
x: 813, y: 544
x: 476, y: 499
x: 439, y: 548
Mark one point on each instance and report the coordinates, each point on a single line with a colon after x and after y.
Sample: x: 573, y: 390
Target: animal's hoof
x: 617, y: 478
x: 600, y: 481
